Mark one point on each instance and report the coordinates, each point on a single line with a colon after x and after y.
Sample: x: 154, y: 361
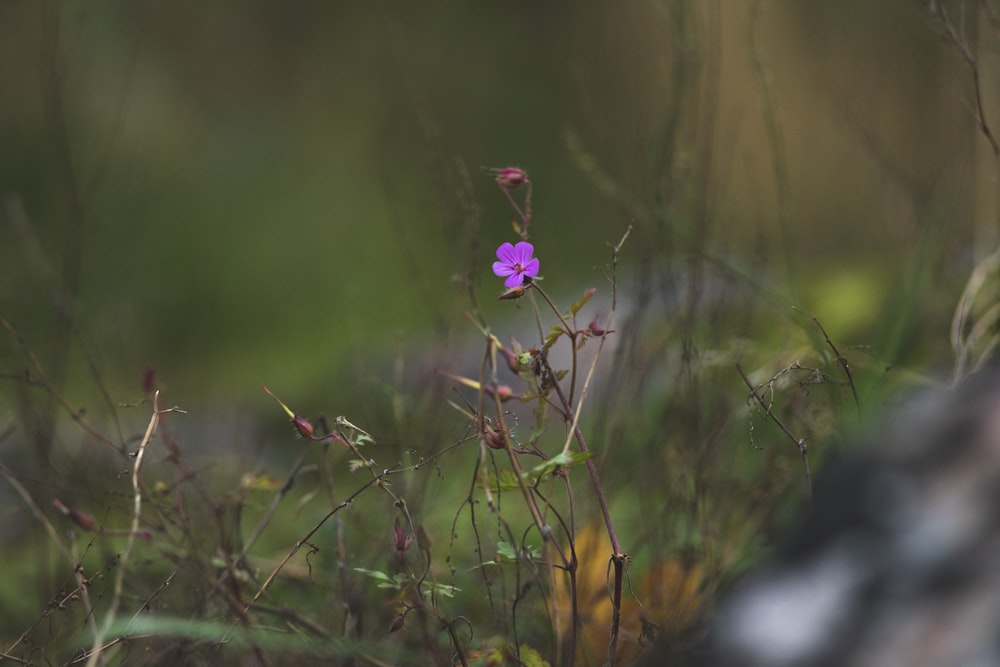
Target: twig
x: 42, y: 378
x: 96, y: 655
x: 842, y: 360
x: 799, y: 442
x: 54, y: 536
x: 957, y: 37
x: 305, y: 540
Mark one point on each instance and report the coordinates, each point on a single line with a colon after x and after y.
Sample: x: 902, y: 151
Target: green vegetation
x: 743, y: 255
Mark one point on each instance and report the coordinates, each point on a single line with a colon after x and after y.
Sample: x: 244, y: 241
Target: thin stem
x: 43, y: 378
x: 842, y: 360
x: 562, y: 320
x: 592, y: 469
x: 799, y: 442
x: 97, y: 655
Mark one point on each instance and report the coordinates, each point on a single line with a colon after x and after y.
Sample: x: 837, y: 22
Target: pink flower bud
x: 510, y: 178
x: 303, y: 427
x: 597, y: 330
x: 397, y: 623
x: 400, y: 539
x: 502, y: 391
x: 149, y: 381
x: 512, y: 361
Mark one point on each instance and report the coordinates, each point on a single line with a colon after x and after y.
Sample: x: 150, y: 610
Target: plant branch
x: 799, y: 442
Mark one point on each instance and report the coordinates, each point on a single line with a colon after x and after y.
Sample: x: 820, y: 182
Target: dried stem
x: 799, y: 442
x: 97, y: 650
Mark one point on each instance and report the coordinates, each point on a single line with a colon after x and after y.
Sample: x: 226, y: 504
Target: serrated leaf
x: 507, y: 554
x: 577, y: 305
x: 531, y: 658
x: 506, y: 550
x: 443, y: 589
x: 506, y: 481
x: 547, y: 466
x: 562, y: 460
x: 385, y: 581
x: 552, y: 337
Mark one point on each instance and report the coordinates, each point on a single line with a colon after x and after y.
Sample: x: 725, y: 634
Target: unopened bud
x: 510, y: 178
x: 149, y: 381
x: 397, y: 623
x: 513, y: 293
x: 503, y: 392
x: 303, y: 427
x: 400, y: 539
x: 512, y: 363
x: 493, y: 437
x: 597, y: 330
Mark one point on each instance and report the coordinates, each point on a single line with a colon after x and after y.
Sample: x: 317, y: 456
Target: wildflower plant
x: 535, y: 534
x: 538, y: 477
x: 157, y: 567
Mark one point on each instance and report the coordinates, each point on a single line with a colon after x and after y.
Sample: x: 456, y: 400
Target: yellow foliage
x: 669, y: 593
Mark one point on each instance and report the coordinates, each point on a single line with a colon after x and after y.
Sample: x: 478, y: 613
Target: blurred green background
x: 247, y: 193
x: 266, y: 192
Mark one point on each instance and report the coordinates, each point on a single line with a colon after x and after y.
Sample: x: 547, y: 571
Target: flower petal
x: 531, y: 268
x: 522, y: 252
x: 505, y: 253
x: 502, y: 268
x: 515, y: 279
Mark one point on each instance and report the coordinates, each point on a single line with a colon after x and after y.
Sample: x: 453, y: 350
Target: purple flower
x: 516, y: 263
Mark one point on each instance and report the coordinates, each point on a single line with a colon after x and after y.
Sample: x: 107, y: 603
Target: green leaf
x: 385, y: 581
x: 508, y: 481
x: 560, y: 460
x: 507, y: 554
x: 577, y: 305
x: 506, y: 551
x: 553, y: 336
x: 443, y: 589
x: 531, y: 658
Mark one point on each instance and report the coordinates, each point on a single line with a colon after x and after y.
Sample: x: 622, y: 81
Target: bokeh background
x: 231, y: 194
x: 262, y: 192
